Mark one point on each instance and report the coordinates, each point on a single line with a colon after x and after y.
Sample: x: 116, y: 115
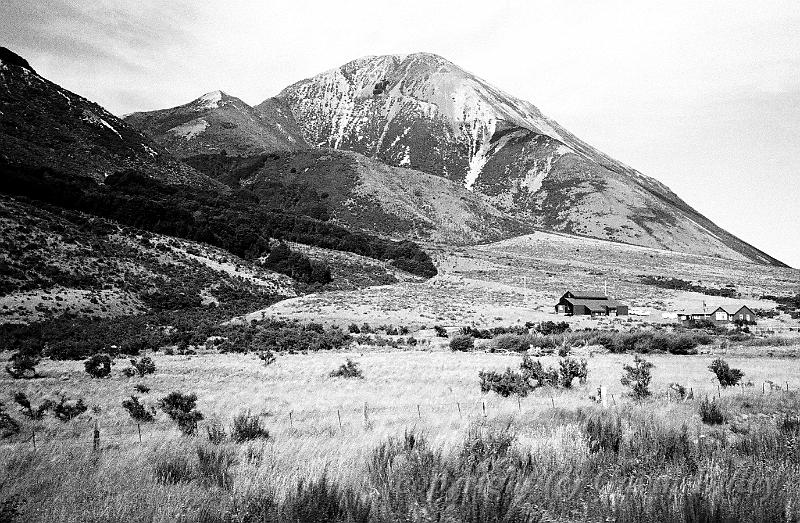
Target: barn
x: 585, y: 303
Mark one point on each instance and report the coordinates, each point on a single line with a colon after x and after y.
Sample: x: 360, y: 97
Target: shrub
x: 512, y: 342
x: 181, y: 409
x: 353, y: 329
x: 637, y: 377
x: 462, y: 343
x: 366, y: 329
x: 216, y: 433
x: 267, y: 356
x: 141, y: 388
x: 504, y: 384
x: 247, y: 427
x: 604, y: 431
x: 8, y: 425
x: 98, y: 365
x: 172, y: 467
x: 214, y: 465
x: 441, y: 332
x: 144, y: 366
x: 23, y: 363
x: 711, y: 412
x: 322, y: 500
x: 725, y: 374
x: 569, y: 369
x: 67, y: 409
x: 534, y: 370
x: 412, y: 341
x: 129, y: 372
x: 549, y: 327
x: 349, y: 369
x: 138, y: 411
x: 28, y: 410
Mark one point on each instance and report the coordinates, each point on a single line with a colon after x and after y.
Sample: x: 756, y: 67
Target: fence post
x: 787, y: 386
x: 604, y: 396
x: 552, y: 402
x: 519, y: 403
x: 763, y: 387
x: 290, y: 419
x: 366, y: 414
x: 33, y: 435
x: 96, y: 437
x: 419, y: 412
x: 459, y: 409
x: 719, y: 391
x: 339, y: 414
x: 483, y: 403
x: 139, y: 429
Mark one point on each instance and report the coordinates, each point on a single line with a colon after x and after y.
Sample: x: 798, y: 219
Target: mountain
x: 218, y: 122
x: 45, y: 126
x: 424, y: 112
x: 360, y: 193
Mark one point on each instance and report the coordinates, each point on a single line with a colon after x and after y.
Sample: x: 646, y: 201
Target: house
x: 580, y: 303
x: 719, y: 314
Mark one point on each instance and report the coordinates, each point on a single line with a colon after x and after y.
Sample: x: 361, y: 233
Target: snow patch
x: 209, y: 100
x: 92, y: 118
x: 406, y: 160
x: 190, y: 129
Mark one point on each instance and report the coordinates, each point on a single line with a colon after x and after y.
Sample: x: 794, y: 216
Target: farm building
x: 581, y: 303
x: 719, y: 314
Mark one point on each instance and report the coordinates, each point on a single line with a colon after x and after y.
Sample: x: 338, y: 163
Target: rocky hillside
x: 218, y: 122
x: 364, y: 194
x: 423, y: 112
x: 45, y: 126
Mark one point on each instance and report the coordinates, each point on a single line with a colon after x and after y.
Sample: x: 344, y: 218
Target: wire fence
x: 94, y: 434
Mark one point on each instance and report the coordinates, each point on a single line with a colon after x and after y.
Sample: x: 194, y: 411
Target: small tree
x: 34, y: 413
x: 462, y: 343
x: 569, y: 369
x: 144, y: 366
x: 23, y: 363
x: 267, y: 356
x: 138, y: 411
x: 98, y: 365
x: 67, y: 409
x: 350, y: 369
x: 181, y: 409
x: 8, y: 425
x: 725, y: 374
x: 246, y: 427
x: 637, y: 377
x: 441, y: 332
x: 711, y: 413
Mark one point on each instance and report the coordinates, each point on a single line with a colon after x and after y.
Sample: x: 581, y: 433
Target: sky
x: 704, y: 96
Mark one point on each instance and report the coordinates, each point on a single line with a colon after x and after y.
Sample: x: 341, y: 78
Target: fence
x: 95, y: 435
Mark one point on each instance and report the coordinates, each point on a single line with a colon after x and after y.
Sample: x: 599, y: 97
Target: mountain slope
x: 218, y: 122
x: 45, y: 126
x: 422, y: 111
x: 361, y: 193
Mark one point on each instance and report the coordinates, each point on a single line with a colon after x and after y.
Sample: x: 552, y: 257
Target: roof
x: 730, y: 309
x: 594, y: 305
x: 588, y: 295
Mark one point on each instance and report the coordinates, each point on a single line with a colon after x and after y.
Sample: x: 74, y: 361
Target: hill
x: 218, y: 122
x: 424, y: 112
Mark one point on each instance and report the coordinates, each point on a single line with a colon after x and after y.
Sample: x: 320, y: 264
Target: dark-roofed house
x: 580, y: 303
x: 719, y: 314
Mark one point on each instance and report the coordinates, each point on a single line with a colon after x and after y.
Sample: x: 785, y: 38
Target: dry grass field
x: 432, y: 392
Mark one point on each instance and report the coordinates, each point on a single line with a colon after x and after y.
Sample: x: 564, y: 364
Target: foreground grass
x: 550, y: 456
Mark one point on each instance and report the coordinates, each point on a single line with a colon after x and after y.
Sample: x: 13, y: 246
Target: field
x: 331, y: 426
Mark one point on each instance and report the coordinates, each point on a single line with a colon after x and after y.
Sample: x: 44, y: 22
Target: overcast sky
x: 703, y: 95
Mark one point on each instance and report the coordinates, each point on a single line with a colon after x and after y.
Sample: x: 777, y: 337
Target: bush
x: 504, y: 384
x: 569, y: 369
x: 604, y: 431
x: 138, y: 411
x: 247, y: 427
x: 349, y: 369
x: 98, y: 365
x: 637, y: 377
x: 172, y: 467
x: 534, y: 370
x: 322, y: 500
x: 216, y: 433
x: 214, y: 465
x: 711, y: 412
x: 181, y: 409
x: 67, y: 409
x: 512, y: 342
x: 353, y: 329
x: 144, y: 366
x: 28, y: 410
x: 441, y: 332
x: 462, y: 343
x: 725, y: 374
x: 267, y: 356
x: 8, y: 425
x: 23, y: 363
x: 141, y: 388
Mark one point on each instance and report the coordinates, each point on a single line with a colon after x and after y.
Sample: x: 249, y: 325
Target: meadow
x: 413, y: 440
